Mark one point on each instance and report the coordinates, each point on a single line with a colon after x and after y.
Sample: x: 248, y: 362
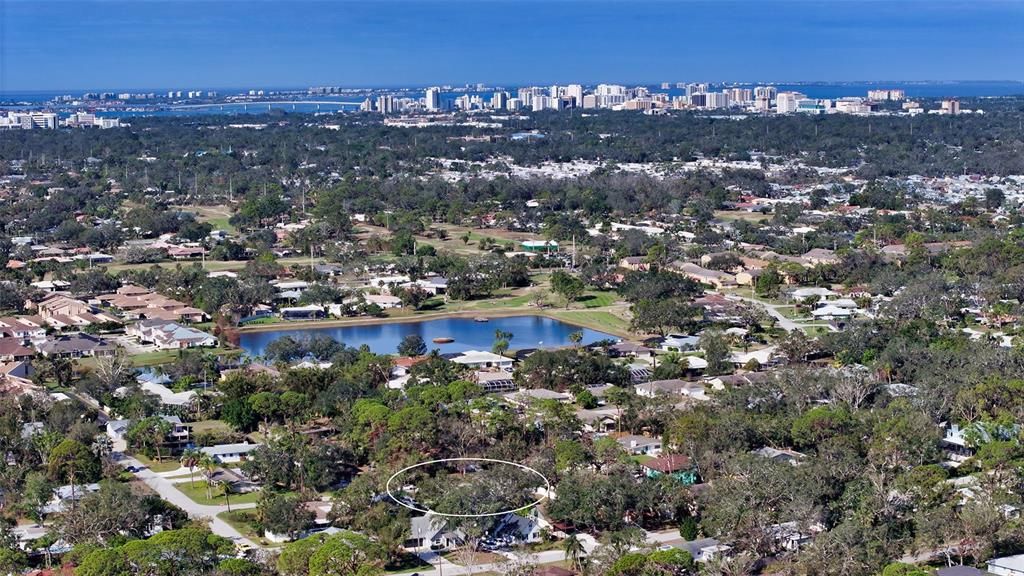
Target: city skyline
x: 84, y: 45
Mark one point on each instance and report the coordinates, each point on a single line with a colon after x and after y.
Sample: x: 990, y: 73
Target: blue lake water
x: 528, y: 332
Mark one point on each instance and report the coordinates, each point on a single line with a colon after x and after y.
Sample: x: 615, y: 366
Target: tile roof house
x: 703, y: 275
x: 11, y: 349
x: 62, y: 312
x: 170, y: 335
x: 677, y: 466
x: 77, y: 345
x: 23, y: 328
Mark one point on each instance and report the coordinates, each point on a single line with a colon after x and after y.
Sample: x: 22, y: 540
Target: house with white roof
x: 1007, y: 565
x: 157, y: 387
x: 528, y: 396
x: 676, y: 387
x: 431, y: 533
x: 229, y: 453
x: 385, y: 301
x: 810, y: 292
x: 64, y: 496
x: 764, y: 356
x: 640, y: 445
x: 830, y: 311
x: 478, y: 359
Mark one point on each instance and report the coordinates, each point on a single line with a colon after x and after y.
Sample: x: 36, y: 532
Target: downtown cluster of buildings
x: 50, y: 121
x: 694, y: 96
x: 125, y: 96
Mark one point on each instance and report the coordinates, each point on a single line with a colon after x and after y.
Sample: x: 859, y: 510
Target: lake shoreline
x: 371, y: 321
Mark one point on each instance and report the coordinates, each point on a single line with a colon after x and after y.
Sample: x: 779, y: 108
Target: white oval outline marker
x: 387, y: 487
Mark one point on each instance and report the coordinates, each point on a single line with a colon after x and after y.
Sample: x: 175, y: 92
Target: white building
x: 432, y: 100
x: 499, y: 101
x: 786, y: 102
x: 229, y: 453
x: 1007, y: 565
x: 478, y: 359
x: 716, y: 100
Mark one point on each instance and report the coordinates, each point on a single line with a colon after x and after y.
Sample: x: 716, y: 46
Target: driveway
x: 165, y: 488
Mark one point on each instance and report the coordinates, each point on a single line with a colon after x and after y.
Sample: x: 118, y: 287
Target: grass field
x: 166, y: 356
x: 217, y: 216
x: 595, y: 319
x: 198, y: 495
x: 598, y: 299
x: 244, y: 521
x: 513, y: 302
x: 733, y: 215
x: 166, y: 466
x: 210, y: 426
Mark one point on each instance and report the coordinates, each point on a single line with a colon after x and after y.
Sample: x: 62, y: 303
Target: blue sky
x: 49, y: 45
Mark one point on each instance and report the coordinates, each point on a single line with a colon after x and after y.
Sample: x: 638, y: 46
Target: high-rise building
x: 951, y: 106
x: 590, y: 101
x: 499, y: 101
x: 768, y: 92
x: 29, y: 120
x: 717, y: 100
x: 432, y: 100
x: 739, y: 96
x: 386, y: 104
x: 575, y: 91
x: 891, y: 94
x: 786, y: 102
x: 692, y: 89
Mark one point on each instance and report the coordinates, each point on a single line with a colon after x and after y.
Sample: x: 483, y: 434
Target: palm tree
x: 158, y: 434
x: 190, y: 459
x: 226, y: 487
x: 574, y: 551
x: 209, y: 466
x: 576, y: 337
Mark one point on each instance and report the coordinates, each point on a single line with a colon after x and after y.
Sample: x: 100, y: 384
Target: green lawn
x: 198, y: 495
x: 791, y: 312
x: 167, y: 356
x: 210, y: 426
x: 594, y: 319
x: 598, y: 299
x: 242, y: 520
x: 814, y: 331
x: 513, y: 302
x: 166, y: 465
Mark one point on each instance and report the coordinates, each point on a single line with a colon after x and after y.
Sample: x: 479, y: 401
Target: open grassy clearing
x: 198, y: 495
x: 166, y: 465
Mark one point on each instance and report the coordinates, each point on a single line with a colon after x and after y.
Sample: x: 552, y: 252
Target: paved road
x: 165, y: 488
x: 773, y: 310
